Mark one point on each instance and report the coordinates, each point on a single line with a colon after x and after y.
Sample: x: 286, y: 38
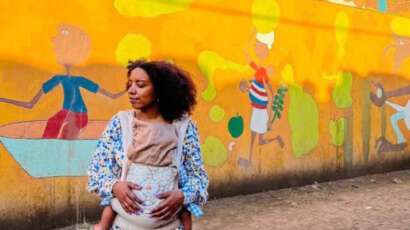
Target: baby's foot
x: 97, y: 227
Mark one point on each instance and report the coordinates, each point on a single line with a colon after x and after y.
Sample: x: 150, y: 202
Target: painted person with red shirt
x: 260, y: 95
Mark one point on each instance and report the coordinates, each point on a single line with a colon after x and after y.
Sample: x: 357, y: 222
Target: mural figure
x: 401, y: 45
x: 260, y: 95
x: 402, y: 113
x: 72, y: 47
x: 396, y: 6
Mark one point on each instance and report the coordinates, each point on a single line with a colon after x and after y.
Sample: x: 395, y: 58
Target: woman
x: 159, y: 93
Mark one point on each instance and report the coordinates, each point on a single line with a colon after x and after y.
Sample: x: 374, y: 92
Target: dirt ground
x: 371, y: 202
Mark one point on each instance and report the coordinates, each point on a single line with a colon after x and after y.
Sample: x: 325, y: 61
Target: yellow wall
x: 325, y: 55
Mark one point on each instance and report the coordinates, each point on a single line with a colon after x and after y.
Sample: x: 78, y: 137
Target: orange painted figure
x: 72, y: 46
x: 261, y: 97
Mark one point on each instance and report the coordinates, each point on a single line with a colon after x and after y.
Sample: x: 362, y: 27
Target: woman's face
x: 140, y: 89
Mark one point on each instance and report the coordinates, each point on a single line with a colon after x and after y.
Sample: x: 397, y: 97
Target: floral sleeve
x: 105, y: 165
x: 193, y: 177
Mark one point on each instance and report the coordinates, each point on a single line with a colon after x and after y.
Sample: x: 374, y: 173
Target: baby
x: 151, y: 164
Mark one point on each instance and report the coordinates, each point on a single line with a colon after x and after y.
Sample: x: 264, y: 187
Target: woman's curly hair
x: 173, y: 87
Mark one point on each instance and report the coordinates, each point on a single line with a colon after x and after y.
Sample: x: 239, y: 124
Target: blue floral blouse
x: 106, y: 163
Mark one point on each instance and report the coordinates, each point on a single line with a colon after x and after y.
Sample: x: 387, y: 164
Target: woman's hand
x: 128, y: 200
x: 173, y: 200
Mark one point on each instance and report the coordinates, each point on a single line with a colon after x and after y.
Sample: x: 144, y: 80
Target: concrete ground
x: 372, y: 202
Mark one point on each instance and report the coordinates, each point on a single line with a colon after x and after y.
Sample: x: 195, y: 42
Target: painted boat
x: 42, y: 158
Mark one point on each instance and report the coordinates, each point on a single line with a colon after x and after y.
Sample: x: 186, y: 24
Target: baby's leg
x: 107, y: 218
x: 186, y: 219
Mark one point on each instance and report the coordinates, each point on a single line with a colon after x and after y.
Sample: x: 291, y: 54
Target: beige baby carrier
x: 152, y: 179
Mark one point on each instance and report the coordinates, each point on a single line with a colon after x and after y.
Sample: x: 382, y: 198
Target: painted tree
x: 278, y: 101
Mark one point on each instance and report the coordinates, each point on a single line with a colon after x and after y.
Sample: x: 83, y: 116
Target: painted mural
x: 46, y: 156
x: 285, y: 87
x: 384, y: 6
